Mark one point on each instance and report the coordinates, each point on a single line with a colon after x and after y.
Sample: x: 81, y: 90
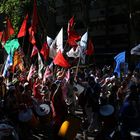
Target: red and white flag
x: 57, y: 45
x: 48, y: 73
x: 67, y: 75
x: 40, y: 66
x: 83, y: 47
x: 31, y: 72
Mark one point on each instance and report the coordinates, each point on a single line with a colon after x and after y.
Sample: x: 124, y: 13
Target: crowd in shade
x: 39, y: 96
x: 110, y: 104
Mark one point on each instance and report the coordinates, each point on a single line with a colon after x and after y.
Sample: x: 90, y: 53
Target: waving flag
x: 22, y: 31
x: 31, y: 72
x: 119, y: 58
x: 70, y: 25
x: 9, y: 62
x: 60, y: 60
x: 40, y: 66
x: 48, y: 73
x: 18, y: 61
x: 34, y: 51
x: 83, y: 47
x: 49, y: 41
x: 9, y: 30
x: 74, y: 53
x: 45, y: 51
x: 11, y: 45
x: 56, y: 45
x: 90, y: 48
x: 33, y: 28
x: 73, y: 37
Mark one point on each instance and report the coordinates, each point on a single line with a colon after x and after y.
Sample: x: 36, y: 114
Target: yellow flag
x: 17, y: 61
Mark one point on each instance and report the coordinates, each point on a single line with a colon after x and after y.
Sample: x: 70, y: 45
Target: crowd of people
x: 110, y: 104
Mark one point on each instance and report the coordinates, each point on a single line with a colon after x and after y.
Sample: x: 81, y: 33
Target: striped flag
x: 40, y: 66
x: 31, y: 72
x: 9, y: 62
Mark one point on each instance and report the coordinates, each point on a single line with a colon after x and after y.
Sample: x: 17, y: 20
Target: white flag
x: 74, y: 53
x: 56, y: 45
x: 40, y: 66
x: 49, y: 41
x: 83, y: 47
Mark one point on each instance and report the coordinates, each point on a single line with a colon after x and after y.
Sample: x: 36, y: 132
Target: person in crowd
x: 92, y: 105
x: 129, y: 114
x: 3, y: 89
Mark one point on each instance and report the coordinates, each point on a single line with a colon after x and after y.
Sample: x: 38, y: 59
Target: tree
x: 15, y: 10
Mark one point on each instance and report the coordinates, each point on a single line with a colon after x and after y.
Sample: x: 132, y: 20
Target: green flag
x: 11, y: 45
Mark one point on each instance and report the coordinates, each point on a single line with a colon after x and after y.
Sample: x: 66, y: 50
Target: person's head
x: 1, y: 78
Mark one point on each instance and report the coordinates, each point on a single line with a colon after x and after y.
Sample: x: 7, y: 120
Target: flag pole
x: 77, y: 68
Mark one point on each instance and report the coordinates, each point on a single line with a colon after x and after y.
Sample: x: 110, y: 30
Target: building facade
x: 111, y: 24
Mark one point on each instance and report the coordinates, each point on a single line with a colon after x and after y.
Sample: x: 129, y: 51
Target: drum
x: 70, y: 127
x: 43, y: 111
x: 26, y: 116
x: 7, y: 131
x: 107, y: 115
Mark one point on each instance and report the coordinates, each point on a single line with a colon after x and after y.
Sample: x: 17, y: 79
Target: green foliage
x: 15, y: 10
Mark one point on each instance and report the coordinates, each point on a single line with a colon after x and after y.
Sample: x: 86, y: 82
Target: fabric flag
x: 70, y: 25
x: 31, y: 72
x: 17, y: 61
x: 74, y: 53
x: 73, y: 38
x: 40, y: 66
x: 34, y: 17
x: 67, y: 75
x: 33, y: 29
x: 1, y: 34
x: 120, y: 58
x: 48, y: 73
x: 60, y: 60
x: 22, y: 31
x: 83, y: 47
x: 90, y: 48
x: 9, y: 62
x: 135, y: 50
x: 9, y: 30
x: 49, y: 41
x: 72, y: 35
x: 56, y: 45
x: 45, y: 51
x: 32, y: 36
x: 34, y: 51
x: 11, y: 45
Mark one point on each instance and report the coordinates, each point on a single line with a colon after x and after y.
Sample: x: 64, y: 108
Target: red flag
x: 34, y: 51
x: 72, y: 38
x: 45, y: 51
x: 60, y: 60
x: 1, y: 34
x: 22, y: 31
x: 32, y: 36
x: 9, y: 30
x: 34, y: 17
x: 70, y: 25
x: 90, y: 48
x: 33, y: 28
